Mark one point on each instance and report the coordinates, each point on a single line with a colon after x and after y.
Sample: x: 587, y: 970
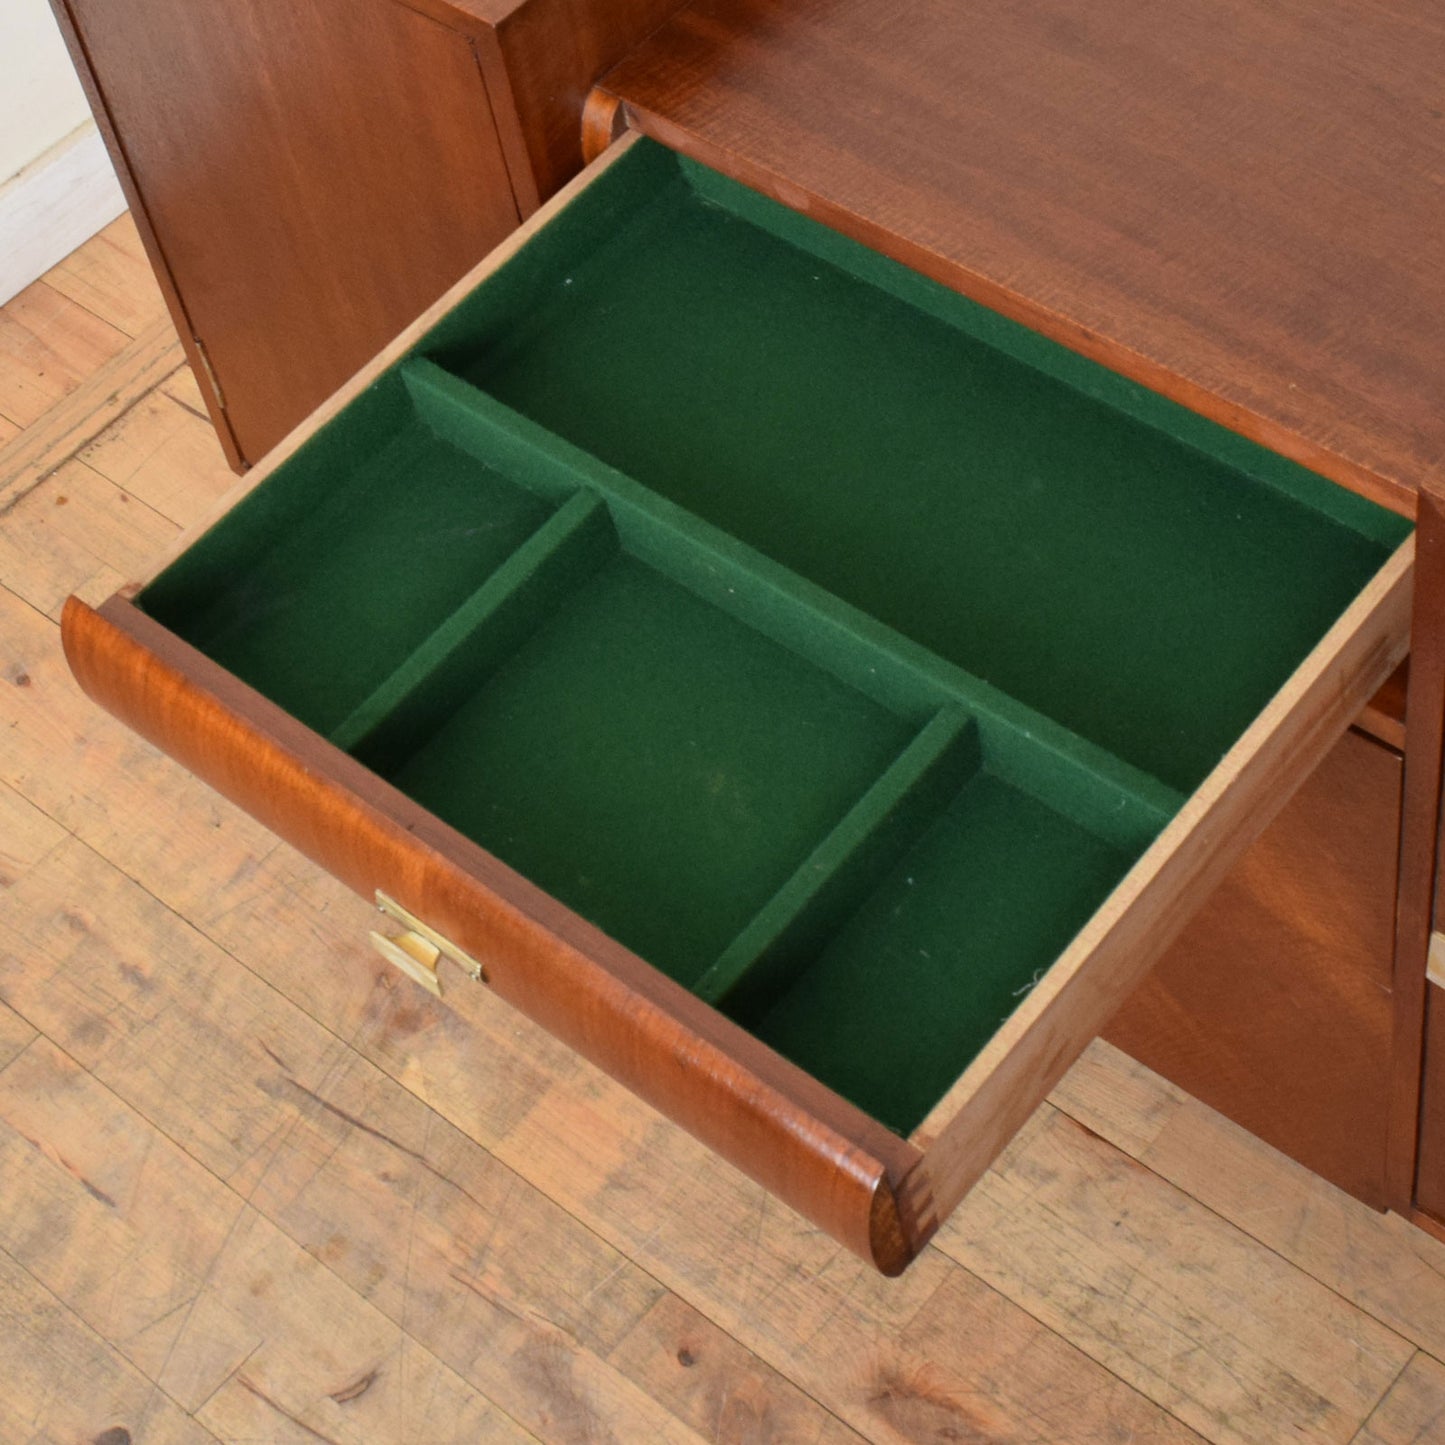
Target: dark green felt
x: 654, y: 764
x: 1141, y: 592
x: 829, y: 641
x: 323, y: 608
x: 911, y: 988
x: 846, y: 866
x: 407, y: 708
x: 1082, y: 780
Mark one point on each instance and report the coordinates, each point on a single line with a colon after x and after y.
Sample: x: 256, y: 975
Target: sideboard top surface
x: 1240, y: 205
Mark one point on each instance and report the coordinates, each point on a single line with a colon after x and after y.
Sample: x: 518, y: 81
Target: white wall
x: 57, y: 188
x: 41, y: 101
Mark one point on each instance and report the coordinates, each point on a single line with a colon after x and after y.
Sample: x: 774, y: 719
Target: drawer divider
x: 493, y: 621
x: 847, y: 865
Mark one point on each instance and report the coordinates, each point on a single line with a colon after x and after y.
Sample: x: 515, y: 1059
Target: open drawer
x: 813, y: 697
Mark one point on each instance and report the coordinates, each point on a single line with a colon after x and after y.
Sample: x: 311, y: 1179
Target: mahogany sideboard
x: 1045, y: 165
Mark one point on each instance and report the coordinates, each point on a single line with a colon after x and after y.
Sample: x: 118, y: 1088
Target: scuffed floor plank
x: 1413, y: 1413
x: 76, y: 532
x: 1188, y: 1309
x: 48, y: 346
x: 164, y: 455
x: 112, y: 279
x: 63, y: 1382
x: 722, y: 1390
x: 1379, y: 1262
x: 256, y: 1187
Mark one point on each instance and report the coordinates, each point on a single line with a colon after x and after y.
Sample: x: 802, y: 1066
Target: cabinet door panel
x: 1274, y: 1006
x: 312, y: 174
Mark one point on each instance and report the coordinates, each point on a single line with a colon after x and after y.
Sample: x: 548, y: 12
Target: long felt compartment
x: 1144, y: 578
x: 658, y: 729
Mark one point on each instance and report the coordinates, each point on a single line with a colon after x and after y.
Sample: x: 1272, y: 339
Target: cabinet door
x: 1274, y: 1006
x: 308, y: 174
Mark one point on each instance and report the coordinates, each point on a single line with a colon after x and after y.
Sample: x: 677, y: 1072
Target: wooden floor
x: 254, y: 1186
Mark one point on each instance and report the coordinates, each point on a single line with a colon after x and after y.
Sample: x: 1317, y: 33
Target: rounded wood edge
x: 898, y: 1229
x: 603, y: 121
x: 843, y: 1186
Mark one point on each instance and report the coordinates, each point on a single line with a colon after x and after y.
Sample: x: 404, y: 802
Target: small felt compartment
x: 891, y: 1008
x: 322, y: 581
x: 652, y: 761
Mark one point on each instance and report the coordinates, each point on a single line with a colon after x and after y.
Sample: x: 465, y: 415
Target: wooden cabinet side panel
x: 1274, y: 1006
x: 1430, y: 1178
x: 552, y: 53
x: 816, y: 1153
x: 313, y: 173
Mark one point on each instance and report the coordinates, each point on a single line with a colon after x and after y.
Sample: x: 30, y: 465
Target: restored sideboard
x: 1171, y: 204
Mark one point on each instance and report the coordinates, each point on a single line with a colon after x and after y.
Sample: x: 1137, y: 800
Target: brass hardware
x: 211, y: 377
x: 1435, y: 960
x: 418, y: 951
x: 414, y: 956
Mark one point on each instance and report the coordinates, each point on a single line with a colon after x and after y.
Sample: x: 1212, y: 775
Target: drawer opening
x: 828, y: 642
x: 1091, y: 549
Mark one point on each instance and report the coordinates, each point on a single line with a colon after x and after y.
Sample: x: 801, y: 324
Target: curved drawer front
x: 814, y: 699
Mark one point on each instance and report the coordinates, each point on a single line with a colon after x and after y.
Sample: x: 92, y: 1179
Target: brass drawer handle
x: 418, y: 950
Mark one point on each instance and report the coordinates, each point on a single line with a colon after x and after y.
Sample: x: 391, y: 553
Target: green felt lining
x: 490, y: 625
x: 1084, y: 781
x: 653, y: 763
x: 1001, y: 505
x: 828, y: 641
x: 797, y: 921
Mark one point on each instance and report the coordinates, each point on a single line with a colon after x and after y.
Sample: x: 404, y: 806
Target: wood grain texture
x: 63, y: 1382
x: 1241, y: 1349
x: 824, y: 1157
x: 935, y: 1355
x: 1274, y: 1004
x: 1418, y: 907
x: 437, y: 1237
x: 105, y: 395
x: 337, y: 167
x: 551, y: 52
x: 726, y: 1394
x: 111, y: 278
x: 163, y: 453
x: 48, y: 345
x: 1146, y: 913
x: 1413, y: 1413
x: 1234, y: 208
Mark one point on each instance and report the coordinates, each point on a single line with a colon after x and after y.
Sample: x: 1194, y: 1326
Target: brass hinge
x: 417, y: 951
x: 1435, y: 960
x: 212, y: 380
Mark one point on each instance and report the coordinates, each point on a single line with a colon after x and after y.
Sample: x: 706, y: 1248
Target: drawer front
x: 828, y: 1161
x: 1275, y: 1005
x: 833, y: 815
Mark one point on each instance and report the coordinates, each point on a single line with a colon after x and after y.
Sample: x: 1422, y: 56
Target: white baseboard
x: 58, y: 202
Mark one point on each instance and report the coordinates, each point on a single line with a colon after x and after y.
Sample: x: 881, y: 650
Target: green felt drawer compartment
x: 830, y: 643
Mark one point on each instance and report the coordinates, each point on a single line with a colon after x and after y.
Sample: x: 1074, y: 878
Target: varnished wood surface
x: 1238, y: 204
x: 259, y: 1188
x: 1419, y: 908
x: 871, y: 1190
x: 1275, y: 1004
x: 1160, y: 894
x: 823, y: 1157
x: 308, y: 176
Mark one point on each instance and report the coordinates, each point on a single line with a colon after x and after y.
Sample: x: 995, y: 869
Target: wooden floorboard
x: 254, y: 1186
